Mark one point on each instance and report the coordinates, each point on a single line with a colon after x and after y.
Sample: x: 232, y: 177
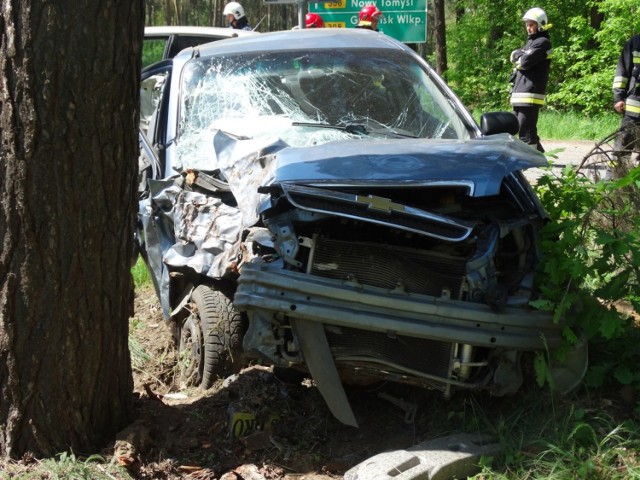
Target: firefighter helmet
x: 369, y: 16
x: 235, y: 9
x: 313, y: 20
x: 537, y: 15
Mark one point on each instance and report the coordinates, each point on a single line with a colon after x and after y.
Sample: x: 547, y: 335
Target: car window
x: 287, y: 94
x: 153, y: 50
x: 151, y: 92
x: 180, y: 42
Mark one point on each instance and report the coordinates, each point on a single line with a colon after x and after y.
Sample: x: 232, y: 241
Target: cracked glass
x: 309, y: 98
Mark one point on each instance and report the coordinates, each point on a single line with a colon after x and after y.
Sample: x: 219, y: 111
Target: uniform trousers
x: 528, y: 120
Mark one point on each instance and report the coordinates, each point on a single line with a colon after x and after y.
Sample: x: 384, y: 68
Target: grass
x: 572, y: 443
x: 66, y: 466
x: 576, y: 126
x: 139, y: 356
x: 572, y: 126
x: 140, y: 274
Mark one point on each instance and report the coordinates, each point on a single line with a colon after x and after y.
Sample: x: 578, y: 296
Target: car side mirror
x: 499, y: 122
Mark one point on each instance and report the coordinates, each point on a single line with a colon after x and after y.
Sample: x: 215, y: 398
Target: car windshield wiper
x: 357, y: 129
x: 390, y: 131
x: 353, y: 128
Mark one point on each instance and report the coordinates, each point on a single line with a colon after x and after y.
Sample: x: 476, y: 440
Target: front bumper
x: 267, y: 288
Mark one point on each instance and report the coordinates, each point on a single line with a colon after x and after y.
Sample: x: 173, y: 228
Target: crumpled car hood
x: 482, y: 163
x: 189, y: 228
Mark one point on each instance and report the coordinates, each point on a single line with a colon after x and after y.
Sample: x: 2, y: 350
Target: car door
x: 154, y: 99
x: 177, y: 43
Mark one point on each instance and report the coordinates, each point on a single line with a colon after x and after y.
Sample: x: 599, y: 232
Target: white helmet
x: 536, y: 15
x: 235, y: 9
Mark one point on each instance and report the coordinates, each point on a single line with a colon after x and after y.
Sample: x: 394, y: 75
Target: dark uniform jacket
x: 532, y: 62
x: 241, y: 24
x: 625, y: 81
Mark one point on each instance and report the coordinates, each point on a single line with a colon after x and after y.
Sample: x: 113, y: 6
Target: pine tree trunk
x: 69, y: 74
x: 167, y: 12
x: 441, y: 37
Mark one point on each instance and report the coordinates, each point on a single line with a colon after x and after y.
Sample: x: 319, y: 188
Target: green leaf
x: 541, y: 369
x: 545, y: 305
x: 596, y: 375
x: 623, y: 375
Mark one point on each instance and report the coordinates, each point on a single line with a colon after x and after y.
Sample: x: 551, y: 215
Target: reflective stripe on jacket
x: 625, y: 81
x: 532, y: 63
x: 526, y: 99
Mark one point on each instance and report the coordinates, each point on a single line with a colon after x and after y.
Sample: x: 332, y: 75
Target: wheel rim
x: 191, y: 351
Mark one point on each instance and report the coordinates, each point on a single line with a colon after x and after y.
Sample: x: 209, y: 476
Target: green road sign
x: 404, y: 20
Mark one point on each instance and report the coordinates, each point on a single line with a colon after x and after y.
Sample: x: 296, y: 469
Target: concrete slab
x: 444, y: 458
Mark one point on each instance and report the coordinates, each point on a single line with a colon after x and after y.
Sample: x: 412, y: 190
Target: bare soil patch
x: 258, y: 426
x: 277, y: 426
x: 261, y: 426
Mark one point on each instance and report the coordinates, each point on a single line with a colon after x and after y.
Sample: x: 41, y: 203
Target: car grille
x: 427, y: 356
x: 378, y: 210
x: 389, y: 267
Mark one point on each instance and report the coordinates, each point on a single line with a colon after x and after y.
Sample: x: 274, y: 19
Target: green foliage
x: 67, y: 466
x: 569, y: 444
x: 585, y: 51
x: 586, y: 448
x: 152, y: 51
x: 139, y: 356
x: 586, y: 73
x: 591, y: 265
x: 574, y: 126
x: 571, y: 125
x: 141, y: 276
x: 478, y: 48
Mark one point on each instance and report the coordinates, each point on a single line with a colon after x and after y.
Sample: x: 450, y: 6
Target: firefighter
x: 626, y: 94
x: 531, y: 75
x: 313, y: 20
x: 236, y: 16
x: 369, y: 17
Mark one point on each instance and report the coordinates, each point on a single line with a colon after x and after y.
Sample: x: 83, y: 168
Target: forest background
x: 81, y: 345
x: 473, y: 54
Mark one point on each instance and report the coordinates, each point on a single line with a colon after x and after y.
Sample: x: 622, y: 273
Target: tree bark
x: 440, y: 36
x: 177, y: 12
x: 167, y: 12
x: 69, y: 73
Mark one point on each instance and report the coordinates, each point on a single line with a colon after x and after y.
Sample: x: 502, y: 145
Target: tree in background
x: 440, y: 36
x: 209, y: 13
x: 587, y: 38
x: 585, y: 63
x: 469, y: 42
x: 69, y: 73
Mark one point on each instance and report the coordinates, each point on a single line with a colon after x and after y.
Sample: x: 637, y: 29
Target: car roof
x: 215, y: 32
x: 311, y: 39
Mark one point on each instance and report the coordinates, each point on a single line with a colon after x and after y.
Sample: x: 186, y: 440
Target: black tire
x: 210, y: 339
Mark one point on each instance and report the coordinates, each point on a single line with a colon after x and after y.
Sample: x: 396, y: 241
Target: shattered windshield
x: 310, y: 97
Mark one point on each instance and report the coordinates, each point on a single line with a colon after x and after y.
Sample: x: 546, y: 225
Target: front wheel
x: 210, y: 339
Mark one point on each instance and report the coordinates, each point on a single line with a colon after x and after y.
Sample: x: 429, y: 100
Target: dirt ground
x: 256, y: 426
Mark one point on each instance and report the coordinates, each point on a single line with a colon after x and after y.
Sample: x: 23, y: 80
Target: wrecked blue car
x: 320, y: 200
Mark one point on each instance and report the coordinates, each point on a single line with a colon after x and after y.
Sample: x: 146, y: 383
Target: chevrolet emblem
x: 380, y: 204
